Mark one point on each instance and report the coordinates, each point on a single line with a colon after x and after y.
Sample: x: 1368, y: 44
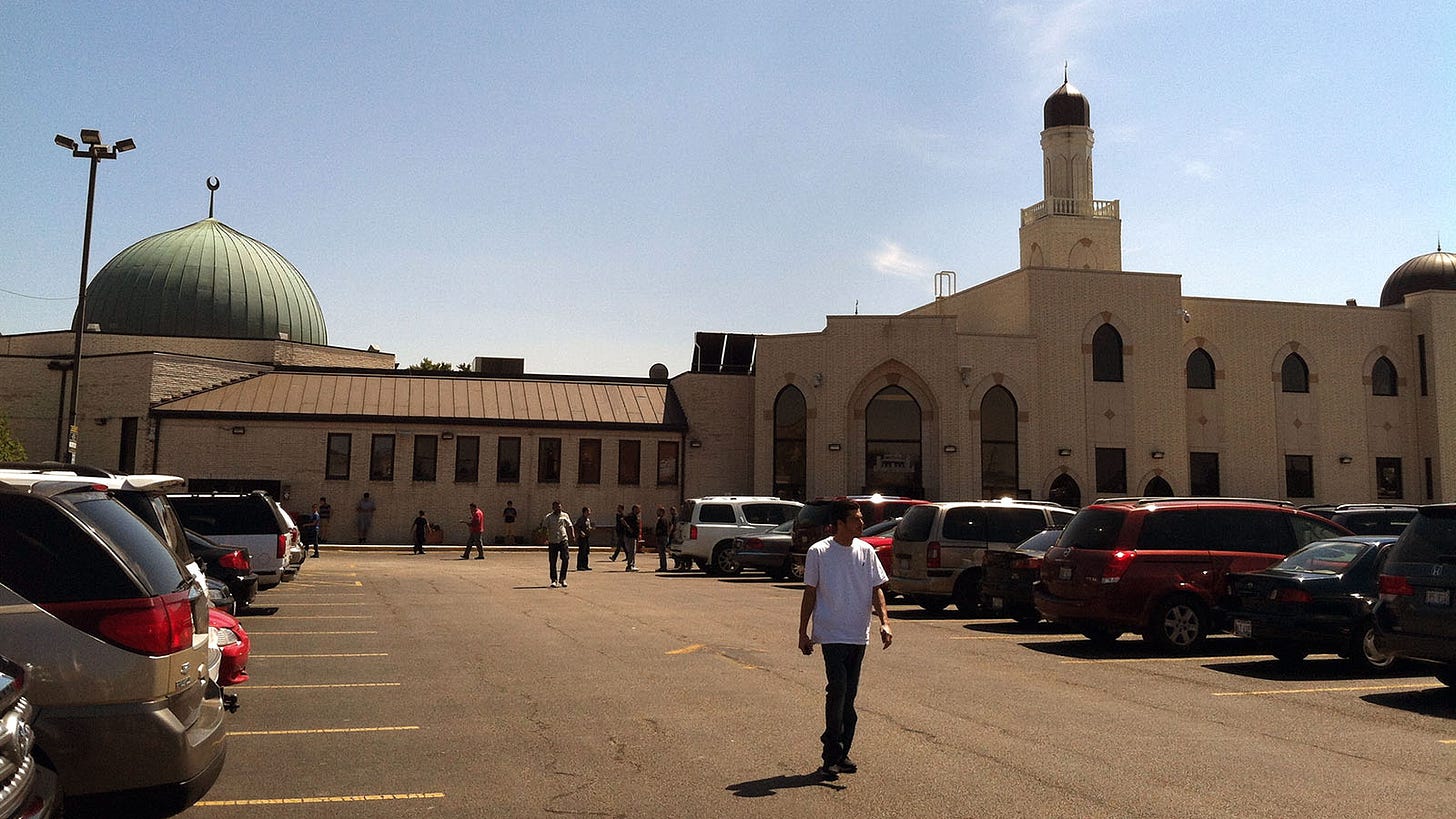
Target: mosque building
x: 207, y: 355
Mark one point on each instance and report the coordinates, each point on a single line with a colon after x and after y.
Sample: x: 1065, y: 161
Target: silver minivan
x: 939, y: 547
x: 116, y: 633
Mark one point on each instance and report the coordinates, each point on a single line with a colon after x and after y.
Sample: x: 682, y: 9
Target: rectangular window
x: 1203, y: 474
x: 427, y: 449
x: 1111, y: 470
x: 667, y: 463
x: 381, y: 458
x: 1421, y: 357
x: 1430, y: 481
x: 508, y: 460
x: 629, y: 463
x: 336, y: 459
x: 589, y: 461
x: 1299, y: 476
x: 467, y: 459
x: 548, y: 461
x: 1388, y: 481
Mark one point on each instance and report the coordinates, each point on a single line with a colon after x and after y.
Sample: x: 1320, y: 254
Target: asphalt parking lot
x: 386, y: 684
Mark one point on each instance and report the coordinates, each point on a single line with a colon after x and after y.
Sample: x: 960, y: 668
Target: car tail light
x: 283, y: 545
x: 1291, y: 596
x: 154, y: 626
x: 236, y: 560
x: 932, y: 555
x: 1026, y: 563
x: 1117, y: 564
x: 693, y: 532
x: 1395, y: 586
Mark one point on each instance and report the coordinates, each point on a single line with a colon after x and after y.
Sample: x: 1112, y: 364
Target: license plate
x: 998, y: 603
x: 1438, y: 597
x: 1243, y: 628
x: 902, y: 562
x: 1064, y: 573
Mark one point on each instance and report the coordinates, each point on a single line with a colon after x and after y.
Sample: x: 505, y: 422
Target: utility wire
x: 37, y: 298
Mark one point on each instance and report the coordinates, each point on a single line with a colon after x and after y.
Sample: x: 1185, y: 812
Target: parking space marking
x: 315, y: 800
x: 1330, y: 689
x: 1032, y: 637
x: 1447, y: 741
x: 320, y: 617
x: 252, y: 633
x: 312, y: 656
x: 252, y: 687
x: 322, y: 731
x: 310, y: 603
x: 688, y: 649
x: 1200, y: 659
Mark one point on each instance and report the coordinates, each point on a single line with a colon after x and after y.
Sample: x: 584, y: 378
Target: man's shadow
x: 773, y: 784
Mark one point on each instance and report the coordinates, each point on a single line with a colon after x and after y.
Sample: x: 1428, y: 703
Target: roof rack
x: 1348, y: 507
x: 1144, y: 500
x: 56, y: 466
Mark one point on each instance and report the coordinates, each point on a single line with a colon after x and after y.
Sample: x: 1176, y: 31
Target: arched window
x: 1157, y: 488
x: 1294, y: 375
x: 892, y: 444
x: 999, y: 474
x: 1064, y: 490
x: 1200, y: 370
x: 1382, y: 377
x: 1106, y: 354
x: 790, y: 444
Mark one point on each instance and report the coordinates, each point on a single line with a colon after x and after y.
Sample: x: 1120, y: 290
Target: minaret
x: 1069, y: 228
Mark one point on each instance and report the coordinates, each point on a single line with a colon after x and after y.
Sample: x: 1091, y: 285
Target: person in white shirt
x: 559, y: 529
x: 843, y: 585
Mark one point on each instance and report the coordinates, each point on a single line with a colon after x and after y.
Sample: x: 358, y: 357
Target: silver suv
x: 939, y: 547
x: 708, y: 526
x: 246, y: 520
x: 116, y: 631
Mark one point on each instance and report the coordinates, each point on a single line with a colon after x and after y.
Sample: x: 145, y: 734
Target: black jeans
x: 563, y: 551
x: 583, y: 548
x: 841, y: 669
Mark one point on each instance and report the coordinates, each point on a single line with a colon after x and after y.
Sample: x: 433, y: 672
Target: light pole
x: 94, y: 150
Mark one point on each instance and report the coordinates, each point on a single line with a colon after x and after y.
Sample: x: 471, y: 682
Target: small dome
x: 1431, y: 271
x: 1066, y: 106
x: 204, y: 280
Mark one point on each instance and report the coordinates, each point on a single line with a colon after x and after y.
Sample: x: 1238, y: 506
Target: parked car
x: 1160, y: 565
x: 709, y: 525
x: 248, y: 520
x: 116, y: 629
x: 228, y: 650
x: 768, y: 551
x: 27, y: 787
x: 940, y: 547
x: 229, y: 565
x: 813, y: 524
x: 1366, y: 518
x: 881, y: 536
x: 1414, y: 616
x: 1317, y: 600
x: 1007, y: 578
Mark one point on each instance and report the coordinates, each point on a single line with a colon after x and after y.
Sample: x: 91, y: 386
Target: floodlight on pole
x: 94, y: 150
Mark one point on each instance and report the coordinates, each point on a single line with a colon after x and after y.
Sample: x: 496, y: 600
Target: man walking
x: 476, y: 524
x: 558, y: 539
x: 325, y: 511
x: 421, y: 530
x: 308, y: 528
x: 843, y: 583
x: 583, y: 539
x: 660, y: 534
x: 632, y: 523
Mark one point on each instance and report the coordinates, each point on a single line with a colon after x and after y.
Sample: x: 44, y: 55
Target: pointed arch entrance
x: 1157, y: 488
x: 1064, y: 490
x: 892, y: 447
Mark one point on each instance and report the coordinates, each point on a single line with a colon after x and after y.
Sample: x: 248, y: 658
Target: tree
x: 426, y: 365
x: 10, y: 448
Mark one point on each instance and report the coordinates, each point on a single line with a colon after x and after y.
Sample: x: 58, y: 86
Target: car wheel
x: 725, y: 560
x: 932, y: 603
x: 967, y: 592
x: 1366, y: 655
x: 1101, y: 637
x: 796, y: 570
x: 1178, y: 624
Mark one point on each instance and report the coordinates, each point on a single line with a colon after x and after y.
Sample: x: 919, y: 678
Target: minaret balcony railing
x: 1061, y: 206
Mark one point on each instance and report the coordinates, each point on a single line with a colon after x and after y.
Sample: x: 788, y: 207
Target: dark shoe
x: 846, y: 765
x: 465, y: 557
x: 480, y: 557
x: 828, y: 771
x: 315, y: 554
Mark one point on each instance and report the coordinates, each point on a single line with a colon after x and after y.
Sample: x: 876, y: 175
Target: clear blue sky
x: 585, y: 185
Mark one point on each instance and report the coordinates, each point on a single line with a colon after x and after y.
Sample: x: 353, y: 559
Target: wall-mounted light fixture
x: 1157, y: 454
x: 834, y: 447
x: 695, y: 444
x: 1064, y: 452
x: 447, y: 436
x: 1346, y: 459
x: 950, y: 448
x: 240, y: 430
x: 817, y: 379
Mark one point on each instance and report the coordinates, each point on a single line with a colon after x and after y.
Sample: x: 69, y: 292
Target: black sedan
x: 769, y: 551
x: 231, y: 566
x: 1007, y: 577
x: 1317, y: 600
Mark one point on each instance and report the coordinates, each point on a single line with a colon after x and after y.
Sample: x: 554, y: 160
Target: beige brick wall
x: 718, y: 409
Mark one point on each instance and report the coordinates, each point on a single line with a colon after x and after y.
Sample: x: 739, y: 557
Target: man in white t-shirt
x: 843, y: 585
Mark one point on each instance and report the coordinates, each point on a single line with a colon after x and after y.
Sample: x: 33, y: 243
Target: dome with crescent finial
x: 204, y: 280
x: 1429, y: 271
x: 1066, y: 106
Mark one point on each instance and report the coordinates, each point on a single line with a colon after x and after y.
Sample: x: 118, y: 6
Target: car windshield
x: 1323, y: 557
x: 880, y: 528
x: 1430, y: 538
x: 1040, y: 542
x: 783, y: 528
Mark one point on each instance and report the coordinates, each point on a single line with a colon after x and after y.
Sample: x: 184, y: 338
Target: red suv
x: 1157, y: 565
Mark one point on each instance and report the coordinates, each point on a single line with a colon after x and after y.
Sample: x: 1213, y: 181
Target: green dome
x: 204, y: 280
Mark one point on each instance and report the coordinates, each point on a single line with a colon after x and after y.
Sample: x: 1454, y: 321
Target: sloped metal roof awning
x: 419, y: 397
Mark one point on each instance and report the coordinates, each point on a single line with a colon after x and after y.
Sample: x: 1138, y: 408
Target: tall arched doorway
x: 1157, y: 488
x: 892, y: 444
x: 790, y: 444
x: 999, y: 473
x: 1064, y: 490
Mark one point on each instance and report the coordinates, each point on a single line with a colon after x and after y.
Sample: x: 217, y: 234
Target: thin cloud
x: 1198, y: 170
x: 893, y: 260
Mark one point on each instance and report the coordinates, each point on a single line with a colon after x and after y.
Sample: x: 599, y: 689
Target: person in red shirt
x: 477, y: 534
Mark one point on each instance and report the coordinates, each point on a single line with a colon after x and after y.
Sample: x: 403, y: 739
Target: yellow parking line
x: 319, y: 617
x: 1320, y: 690
x: 252, y: 687
x: 688, y: 649
x: 314, y: 800
x: 322, y: 731
x: 302, y: 603
x: 1200, y: 659
x: 271, y: 633
x: 1041, y: 637
x: 1447, y: 741
x: 310, y: 656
